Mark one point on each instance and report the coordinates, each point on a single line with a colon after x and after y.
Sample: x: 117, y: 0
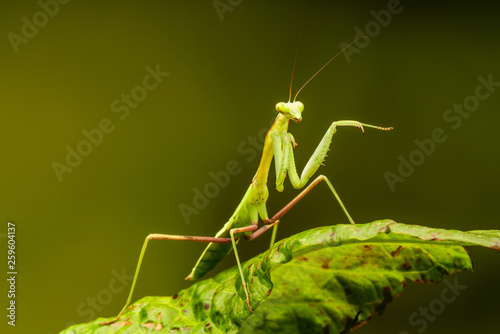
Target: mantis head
x: 291, y: 110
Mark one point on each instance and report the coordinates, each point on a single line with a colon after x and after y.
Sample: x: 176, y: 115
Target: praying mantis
x: 244, y: 222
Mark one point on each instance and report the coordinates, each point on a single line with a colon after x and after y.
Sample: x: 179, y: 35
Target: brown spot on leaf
x: 122, y: 323
x: 395, y: 253
x: 207, y: 307
x: 148, y: 324
x: 406, y: 266
x: 175, y: 296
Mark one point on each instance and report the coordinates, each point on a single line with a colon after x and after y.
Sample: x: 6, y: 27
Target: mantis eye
x: 300, y: 106
x: 281, y: 107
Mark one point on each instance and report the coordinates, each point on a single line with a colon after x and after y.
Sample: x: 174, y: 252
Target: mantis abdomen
x: 215, y: 252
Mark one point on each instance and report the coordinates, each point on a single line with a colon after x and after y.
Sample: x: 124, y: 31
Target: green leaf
x: 330, y: 279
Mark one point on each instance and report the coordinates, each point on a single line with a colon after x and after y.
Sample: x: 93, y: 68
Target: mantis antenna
x: 328, y: 62
x: 293, y: 70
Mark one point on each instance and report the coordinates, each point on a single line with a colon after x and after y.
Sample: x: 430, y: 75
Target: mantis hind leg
x: 143, y: 251
x: 304, y: 192
x: 287, y: 207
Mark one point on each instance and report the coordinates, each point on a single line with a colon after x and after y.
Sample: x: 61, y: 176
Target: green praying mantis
x: 279, y: 144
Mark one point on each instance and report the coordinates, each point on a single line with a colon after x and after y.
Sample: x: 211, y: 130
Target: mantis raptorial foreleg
x: 285, y: 162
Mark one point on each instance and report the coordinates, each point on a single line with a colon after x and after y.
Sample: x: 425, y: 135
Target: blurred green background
x: 226, y: 72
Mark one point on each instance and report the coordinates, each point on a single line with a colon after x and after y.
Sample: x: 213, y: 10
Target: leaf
x: 336, y: 290
x: 330, y: 279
